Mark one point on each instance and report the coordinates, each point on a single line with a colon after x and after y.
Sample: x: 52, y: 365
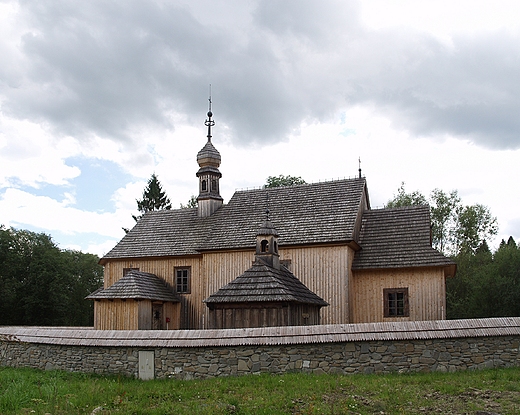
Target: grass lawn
x: 28, y: 391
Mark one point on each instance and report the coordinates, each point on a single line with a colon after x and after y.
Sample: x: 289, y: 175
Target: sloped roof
x: 303, y: 214
x: 208, y: 151
x: 262, y: 283
x: 137, y: 285
x: 397, y: 238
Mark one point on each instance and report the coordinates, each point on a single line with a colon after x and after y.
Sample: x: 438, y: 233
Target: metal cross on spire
x: 209, y: 122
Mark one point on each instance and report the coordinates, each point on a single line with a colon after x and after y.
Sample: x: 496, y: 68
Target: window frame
x: 185, y: 285
x: 398, y: 311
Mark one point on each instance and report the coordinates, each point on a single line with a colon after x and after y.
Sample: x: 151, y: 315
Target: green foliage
x: 474, y: 225
x: 192, y: 203
x: 487, y: 284
x: 43, y: 285
x: 24, y: 391
x: 406, y: 199
x: 455, y: 228
x: 443, y: 211
x: 281, y: 180
x: 154, y: 198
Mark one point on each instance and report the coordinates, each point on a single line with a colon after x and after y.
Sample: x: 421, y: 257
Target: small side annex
x: 138, y: 301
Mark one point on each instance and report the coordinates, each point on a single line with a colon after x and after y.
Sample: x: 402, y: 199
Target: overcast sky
x: 96, y: 96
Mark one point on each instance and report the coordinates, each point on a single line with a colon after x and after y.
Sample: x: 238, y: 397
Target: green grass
x: 28, y: 391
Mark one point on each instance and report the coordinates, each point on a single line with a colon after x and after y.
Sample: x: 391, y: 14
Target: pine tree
x: 154, y: 198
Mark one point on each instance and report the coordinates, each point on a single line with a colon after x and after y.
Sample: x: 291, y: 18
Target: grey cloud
x: 108, y: 67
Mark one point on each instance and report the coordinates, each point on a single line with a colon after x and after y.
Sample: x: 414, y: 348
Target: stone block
x: 349, y: 347
x: 243, y: 366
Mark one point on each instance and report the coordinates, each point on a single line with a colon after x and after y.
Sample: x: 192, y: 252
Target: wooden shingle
x: 262, y: 283
x: 304, y: 214
x: 137, y: 285
x: 397, y: 238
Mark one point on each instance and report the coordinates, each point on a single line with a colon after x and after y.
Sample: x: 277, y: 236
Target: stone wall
x: 381, y: 356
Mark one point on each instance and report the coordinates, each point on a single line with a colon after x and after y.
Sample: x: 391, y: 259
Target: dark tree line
x: 41, y: 284
x: 487, y: 284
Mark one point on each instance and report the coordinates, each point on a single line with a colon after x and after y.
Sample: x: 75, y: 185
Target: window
x: 182, y: 280
x: 204, y: 186
x: 264, y: 246
x: 214, y: 186
x: 396, y: 302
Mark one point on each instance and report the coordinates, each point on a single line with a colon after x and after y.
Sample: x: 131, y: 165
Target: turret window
x: 264, y: 245
x: 214, y: 186
x: 204, y: 186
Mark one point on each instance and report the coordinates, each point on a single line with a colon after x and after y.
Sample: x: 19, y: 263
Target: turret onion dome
x: 208, y: 152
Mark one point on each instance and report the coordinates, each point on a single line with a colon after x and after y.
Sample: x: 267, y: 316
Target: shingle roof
x: 208, y: 151
x: 137, y: 285
x: 315, y: 334
x: 303, y: 214
x: 397, y: 238
x: 262, y: 283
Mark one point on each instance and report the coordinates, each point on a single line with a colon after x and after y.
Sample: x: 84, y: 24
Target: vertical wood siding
x: 116, y: 315
x: 426, y: 294
x: 323, y: 269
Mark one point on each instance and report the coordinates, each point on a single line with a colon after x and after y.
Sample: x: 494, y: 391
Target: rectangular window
x: 396, y: 302
x: 182, y: 280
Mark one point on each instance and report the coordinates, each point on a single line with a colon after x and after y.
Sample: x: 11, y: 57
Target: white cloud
x: 419, y: 90
x: 21, y: 208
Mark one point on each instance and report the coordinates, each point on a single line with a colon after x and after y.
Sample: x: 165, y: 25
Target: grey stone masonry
x: 493, y: 343
x: 445, y: 355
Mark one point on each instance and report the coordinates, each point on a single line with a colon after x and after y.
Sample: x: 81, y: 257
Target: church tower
x: 209, y: 199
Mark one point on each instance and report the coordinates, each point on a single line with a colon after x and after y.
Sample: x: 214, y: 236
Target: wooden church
x: 320, y: 256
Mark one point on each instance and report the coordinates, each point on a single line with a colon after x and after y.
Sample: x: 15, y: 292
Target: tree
x: 84, y: 276
x: 192, y: 203
x: 455, y: 227
x: 42, y: 285
x: 474, y: 225
x: 443, y: 211
x: 154, y: 198
x: 406, y: 199
x: 281, y: 180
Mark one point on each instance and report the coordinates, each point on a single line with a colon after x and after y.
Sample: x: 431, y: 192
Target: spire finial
x: 209, y: 122
x: 359, y: 169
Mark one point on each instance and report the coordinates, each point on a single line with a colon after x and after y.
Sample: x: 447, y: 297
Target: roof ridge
x: 326, y: 181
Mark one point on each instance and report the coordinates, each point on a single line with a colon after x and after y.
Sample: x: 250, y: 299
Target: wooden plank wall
x: 172, y: 311
x: 116, y: 315
x: 165, y: 268
x: 145, y: 315
x: 323, y: 269
x: 426, y: 292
